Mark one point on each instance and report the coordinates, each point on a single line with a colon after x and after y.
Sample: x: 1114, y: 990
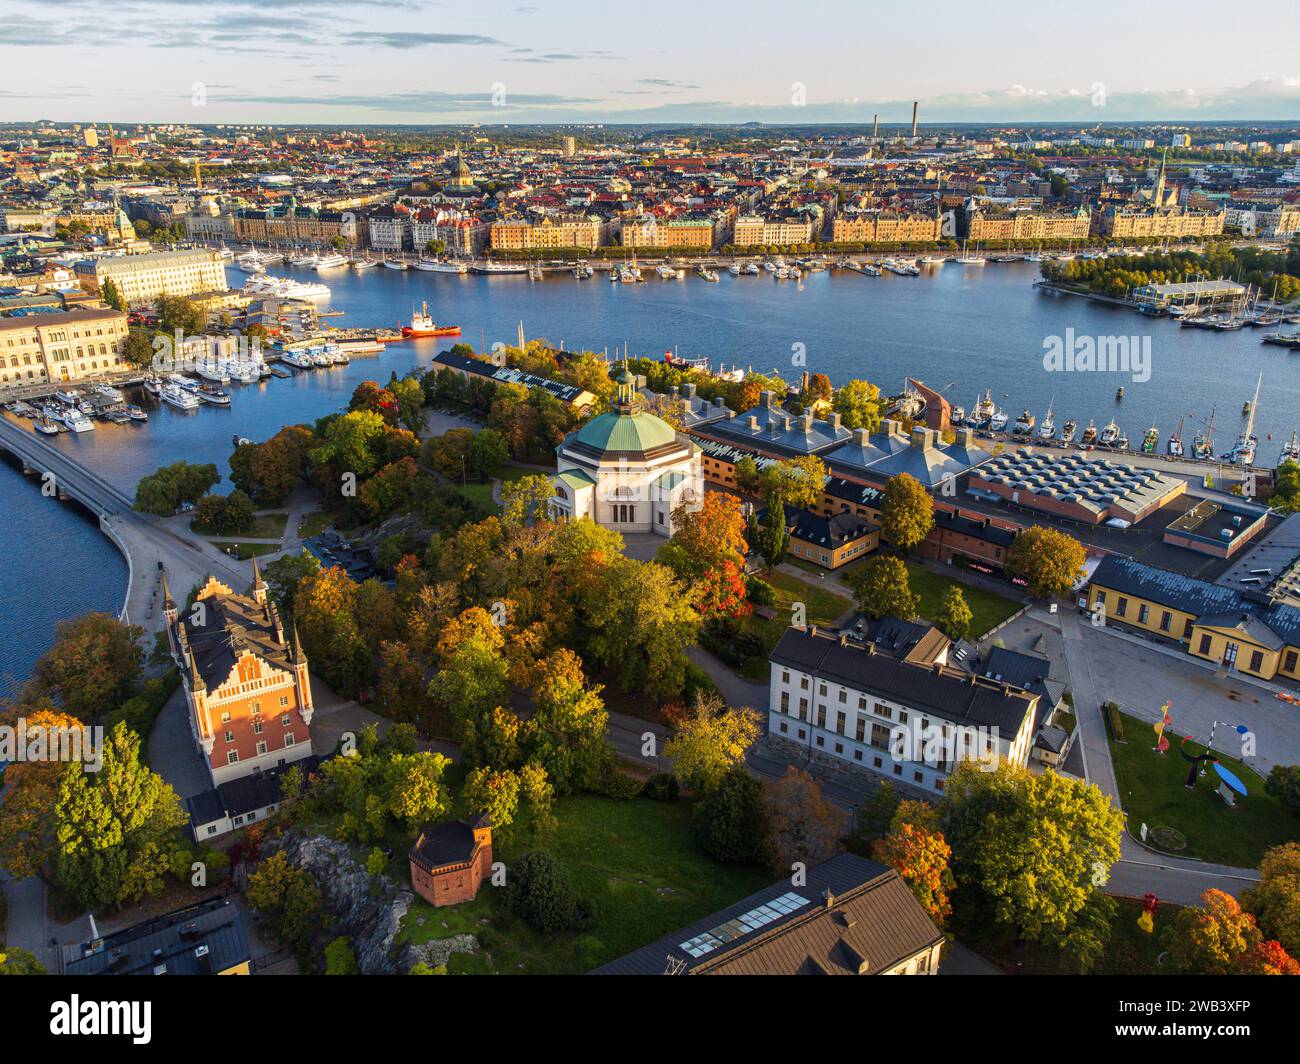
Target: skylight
x: 738, y: 926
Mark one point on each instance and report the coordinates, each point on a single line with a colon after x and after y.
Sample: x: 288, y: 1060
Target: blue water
x: 960, y: 329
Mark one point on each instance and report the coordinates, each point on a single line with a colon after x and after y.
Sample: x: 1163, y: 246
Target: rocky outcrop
x: 367, y: 909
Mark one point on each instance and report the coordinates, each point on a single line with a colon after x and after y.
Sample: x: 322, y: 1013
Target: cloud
x: 417, y: 40
x: 422, y: 102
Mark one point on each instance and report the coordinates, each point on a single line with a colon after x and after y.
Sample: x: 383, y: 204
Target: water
x: 960, y: 329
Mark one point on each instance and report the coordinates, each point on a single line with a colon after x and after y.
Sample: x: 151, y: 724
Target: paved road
x: 27, y: 926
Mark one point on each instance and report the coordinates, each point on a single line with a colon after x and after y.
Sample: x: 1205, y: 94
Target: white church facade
x: 626, y: 470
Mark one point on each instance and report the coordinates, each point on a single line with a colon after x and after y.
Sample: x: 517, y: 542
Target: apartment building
x: 1028, y: 225
x: 751, y: 230
x: 648, y: 231
x: 885, y: 227
x: 551, y: 232
x: 1139, y: 222
x: 143, y: 278
x: 61, y: 346
x: 246, y: 682
x: 906, y: 720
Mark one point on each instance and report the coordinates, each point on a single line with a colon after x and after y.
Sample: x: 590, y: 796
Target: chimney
x: 766, y: 399
x: 688, y: 390
x: 787, y: 422
x: 920, y: 438
x: 807, y: 420
x: 753, y: 423
x: 916, y: 106
x: 875, y: 126
x: 860, y: 437
x: 833, y: 420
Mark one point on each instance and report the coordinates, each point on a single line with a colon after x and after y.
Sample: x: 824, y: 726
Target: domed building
x: 626, y: 470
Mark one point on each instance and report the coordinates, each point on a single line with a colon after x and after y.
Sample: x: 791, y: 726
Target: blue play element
x: 1231, y: 780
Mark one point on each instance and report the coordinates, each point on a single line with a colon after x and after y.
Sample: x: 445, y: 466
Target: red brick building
x: 449, y: 862
x: 246, y: 680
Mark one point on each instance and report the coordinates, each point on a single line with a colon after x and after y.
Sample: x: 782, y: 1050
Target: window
x: 1165, y: 620
x: 782, y: 728
x: 230, y: 737
x: 261, y: 747
x: 225, y: 718
x: 232, y: 757
x: 1205, y: 644
x: 284, y: 700
x: 1187, y: 629
x: 785, y: 701
x: 785, y: 675
x: 212, y: 829
x: 882, y: 710
x: 1144, y: 612
x: 288, y: 738
x: 839, y: 748
x: 257, y: 727
x: 1256, y: 661
x: 1289, y: 662
x: 918, y: 777
x: 286, y: 720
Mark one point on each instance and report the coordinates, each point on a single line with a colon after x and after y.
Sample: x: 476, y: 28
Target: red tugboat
x: 422, y: 325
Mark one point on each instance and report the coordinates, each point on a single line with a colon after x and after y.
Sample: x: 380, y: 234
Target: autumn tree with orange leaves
x: 708, y: 551
x: 1219, y: 937
x: 917, y: 851
x: 27, y: 811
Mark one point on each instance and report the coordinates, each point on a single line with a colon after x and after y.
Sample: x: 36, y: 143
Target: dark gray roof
x: 450, y: 843
x: 233, y: 624
x: 951, y: 694
x: 567, y: 393
x: 833, y: 532
x: 202, y: 940
x: 852, y: 917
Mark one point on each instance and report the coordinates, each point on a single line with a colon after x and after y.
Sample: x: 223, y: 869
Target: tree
x: 1283, y: 783
x: 473, y: 675
x: 270, y: 471
x: 137, y: 348
x: 324, y: 610
x: 569, y: 723
x: 906, y: 513
x: 858, y: 404
x: 115, y: 828
x: 526, y: 500
x: 1286, y: 487
x: 708, y: 551
x: 283, y: 576
x: 1035, y: 849
x: 796, y: 482
x: 112, y: 295
x: 164, y: 491
x: 1049, y: 561
x: 875, y: 814
x: 93, y: 666
x: 920, y: 855
x: 225, y: 515
x: 1275, y: 900
x: 15, y: 961
x: 712, y: 740
x: 495, y: 793
x: 416, y: 793
x: 285, y: 898
x: 339, y: 958
x: 802, y: 826
x: 954, y: 616
x: 31, y: 787
x: 882, y: 588
x: 1213, y: 938
x: 538, y: 891
x: 775, y: 535
x: 729, y: 820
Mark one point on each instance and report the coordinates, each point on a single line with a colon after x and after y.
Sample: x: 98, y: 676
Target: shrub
x: 618, y: 785
x: 538, y: 892
x: 729, y: 821
x: 1114, y: 721
x: 1284, y: 784
x: 661, y: 787
x: 760, y: 592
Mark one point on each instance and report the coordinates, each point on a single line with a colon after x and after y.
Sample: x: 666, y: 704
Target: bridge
x: 68, y: 477
x: 149, y: 544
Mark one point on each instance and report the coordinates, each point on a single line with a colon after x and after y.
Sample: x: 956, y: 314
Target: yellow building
x: 1211, y: 622
x: 885, y: 227
x: 67, y: 346
x: 752, y: 230
x: 1029, y: 225
x: 1140, y: 222
x: 648, y: 231
x: 518, y: 234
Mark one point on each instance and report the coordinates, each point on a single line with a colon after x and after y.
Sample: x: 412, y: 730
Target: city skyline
x: 290, y: 62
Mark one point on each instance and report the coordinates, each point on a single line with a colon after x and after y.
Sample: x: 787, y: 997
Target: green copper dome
x: 638, y: 432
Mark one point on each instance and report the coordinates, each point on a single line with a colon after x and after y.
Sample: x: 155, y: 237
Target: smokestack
x: 915, y: 106
x: 875, y: 126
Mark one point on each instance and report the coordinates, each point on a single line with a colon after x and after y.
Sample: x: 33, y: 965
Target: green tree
x: 112, y: 295
x: 954, y: 616
x: 339, y: 958
x: 882, y: 588
x: 15, y: 961
x: 538, y: 891
x: 1283, y: 783
x: 286, y: 899
x: 164, y: 491
x: 858, y: 404
x: 526, y: 500
x: 906, y: 513
x: 774, y: 537
x: 729, y: 820
x: 569, y: 723
x: 494, y: 792
x: 707, y: 744
x: 1049, y: 561
x: 137, y: 348
x: 115, y: 828
x: 1275, y: 899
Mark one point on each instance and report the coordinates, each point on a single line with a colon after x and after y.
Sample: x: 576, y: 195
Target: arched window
x: 561, y: 493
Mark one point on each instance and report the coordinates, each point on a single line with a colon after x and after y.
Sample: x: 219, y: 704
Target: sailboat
x: 1290, y: 451
x: 1243, y: 452
x: 1174, y: 445
x: 969, y: 260
x: 1203, y: 443
x: 1048, y: 428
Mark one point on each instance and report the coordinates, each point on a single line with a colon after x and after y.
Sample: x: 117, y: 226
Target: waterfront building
x: 771, y: 430
x: 683, y: 231
x: 752, y: 230
x: 850, y: 917
x: 992, y: 226
x: 1129, y: 221
x: 61, y: 346
x: 247, y: 688
x: 907, y: 720
x: 922, y: 455
x: 551, y: 232
x: 885, y: 226
x: 626, y: 469
x: 143, y: 278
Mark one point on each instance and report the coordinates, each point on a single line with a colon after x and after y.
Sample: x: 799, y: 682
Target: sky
x: 352, y: 62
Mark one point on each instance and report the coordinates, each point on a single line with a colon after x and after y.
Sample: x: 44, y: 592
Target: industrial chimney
x: 915, y: 106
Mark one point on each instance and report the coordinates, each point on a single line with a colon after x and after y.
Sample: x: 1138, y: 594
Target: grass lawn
x: 482, y: 493
x: 822, y: 606
x: 1151, y: 787
x: 988, y: 609
x: 244, y: 551
x: 635, y: 865
x: 314, y: 523
x: 264, y: 526
x: 1130, y: 951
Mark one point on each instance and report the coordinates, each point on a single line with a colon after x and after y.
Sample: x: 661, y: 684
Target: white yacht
x: 214, y: 370
x: 751, y: 269
x: 297, y: 360
x: 998, y: 422
x: 363, y: 264
x: 1047, y: 429
x: 332, y: 261
x: 179, y: 397
x: 107, y: 391
x: 441, y: 266
x: 77, y: 421
x: 307, y: 261
x: 666, y: 272
x: 394, y: 264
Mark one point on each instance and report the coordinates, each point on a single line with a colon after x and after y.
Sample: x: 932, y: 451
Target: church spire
x: 259, y: 585
x: 297, y: 651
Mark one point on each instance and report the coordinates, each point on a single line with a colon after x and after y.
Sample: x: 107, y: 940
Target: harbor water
x: 960, y: 329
